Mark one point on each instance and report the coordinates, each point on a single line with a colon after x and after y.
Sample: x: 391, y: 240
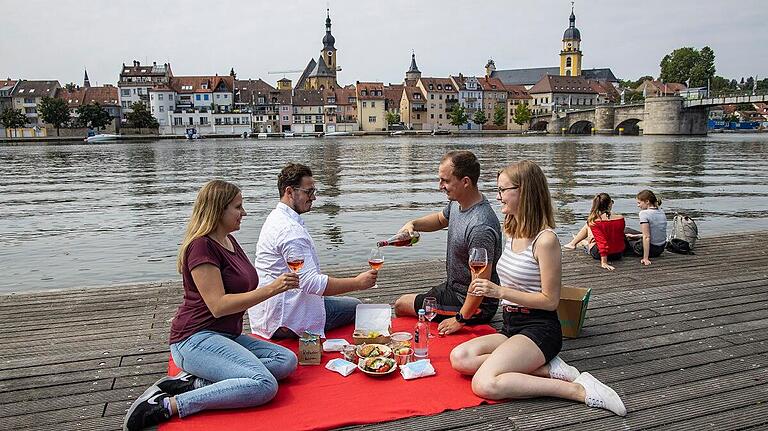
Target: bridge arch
x: 630, y: 126
x: 540, y: 126
x: 582, y: 127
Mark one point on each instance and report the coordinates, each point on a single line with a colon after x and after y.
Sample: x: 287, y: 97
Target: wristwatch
x: 460, y: 318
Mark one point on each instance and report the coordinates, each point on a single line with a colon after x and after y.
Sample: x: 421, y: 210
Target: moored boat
x: 101, y: 138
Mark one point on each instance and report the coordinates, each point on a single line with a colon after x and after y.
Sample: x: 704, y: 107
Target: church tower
x: 329, y: 50
x: 413, y: 74
x: 570, y: 56
x: 86, y: 81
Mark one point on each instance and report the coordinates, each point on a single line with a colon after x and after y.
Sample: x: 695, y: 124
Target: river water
x: 76, y: 215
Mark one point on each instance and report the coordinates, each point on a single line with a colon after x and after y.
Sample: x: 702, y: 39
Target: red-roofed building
x: 554, y: 92
x: 106, y: 96
x: 340, y: 110
x: 494, y: 94
x: 371, y: 106
x: 413, y: 109
x: 441, y: 95
x: 657, y: 88
x: 6, y: 88
x: 136, y: 80
x: 516, y: 95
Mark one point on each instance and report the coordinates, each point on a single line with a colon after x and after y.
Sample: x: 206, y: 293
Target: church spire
x: 413, y: 68
x: 328, y: 39
x: 86, y: 81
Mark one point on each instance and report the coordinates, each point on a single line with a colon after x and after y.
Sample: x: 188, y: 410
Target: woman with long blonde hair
x: 521, y: 360
x: 222, y: 368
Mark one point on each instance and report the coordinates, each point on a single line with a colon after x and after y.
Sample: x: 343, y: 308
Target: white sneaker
x: 558, y: 369
x: 600, y: 395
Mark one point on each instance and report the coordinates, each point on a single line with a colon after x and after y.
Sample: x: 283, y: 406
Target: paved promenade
x: 683, y: 341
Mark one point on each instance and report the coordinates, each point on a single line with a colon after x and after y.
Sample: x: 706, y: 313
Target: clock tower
x: 570, y: 56
x: 329, y: 50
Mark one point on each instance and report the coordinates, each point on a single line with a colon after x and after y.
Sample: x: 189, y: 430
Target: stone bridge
x: 654, y: 116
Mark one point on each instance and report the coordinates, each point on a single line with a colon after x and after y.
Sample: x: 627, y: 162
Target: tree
x: 500, y: 115
x: 12, y: 118
x: 71, y: 87
x: 393, y: 117
x: 457, y: 115
x: 93, y: 115
x: 141, y: 118
x: 688, y: 65
x: 762, y: 84
x: 522, y: 115
x: 54, y: 111
x: 480, y: 117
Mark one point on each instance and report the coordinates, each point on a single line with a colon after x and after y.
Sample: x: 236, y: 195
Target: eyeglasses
x: 309, y: 192
x: 501, y: 190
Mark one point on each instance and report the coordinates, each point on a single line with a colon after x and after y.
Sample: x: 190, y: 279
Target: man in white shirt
x: 313, y: 307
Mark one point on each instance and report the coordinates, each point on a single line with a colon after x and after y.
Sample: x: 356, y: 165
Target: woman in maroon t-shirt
x: 222, y: 367
x: 603, y: 234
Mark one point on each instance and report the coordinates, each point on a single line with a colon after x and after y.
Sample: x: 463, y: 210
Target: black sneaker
x: 178, y: 384
x: 146, y: 411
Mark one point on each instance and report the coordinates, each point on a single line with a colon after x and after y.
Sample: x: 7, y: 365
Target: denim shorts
x: 540, y: 326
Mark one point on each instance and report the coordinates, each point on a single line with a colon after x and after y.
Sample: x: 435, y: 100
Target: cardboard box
x: 310, y: 349
x: 373, y: 324
x: 573, y: 309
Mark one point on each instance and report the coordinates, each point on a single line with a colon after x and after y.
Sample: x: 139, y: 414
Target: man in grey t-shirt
x: 471, y: 223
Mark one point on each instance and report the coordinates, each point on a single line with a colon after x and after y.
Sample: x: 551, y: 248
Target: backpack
x: 684, y: 234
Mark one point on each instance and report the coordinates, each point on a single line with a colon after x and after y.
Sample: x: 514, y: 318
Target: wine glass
x: 430, y: 309
x: 478, y: 260
x: 376, y: 260
x: 295, y: 260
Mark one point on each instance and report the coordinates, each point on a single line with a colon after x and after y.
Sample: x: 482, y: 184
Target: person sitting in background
x: 603, y: 234
x: 652, y: 238
x: 223, y: 368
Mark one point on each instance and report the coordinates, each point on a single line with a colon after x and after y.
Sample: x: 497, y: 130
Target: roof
x: 411, y: 91
x: 562, y: 84
x: 321, y: 69
x: 342, y: 95
x: 662, y: 87
x: 304, y: 75
x: 572, y: 33
x: 307, y: 98
x: 247, y: 90
x: 7, y: 84
x: 25, y: 88
x: 394, y: 92
x: 491, y: 84
x: 518, y: 92
x: 202, y: 84
x: 413, y: 67
x: 533, y: 75
x: 104, y: 96
x: 373, y: 90
x: 438, y: 85
x: 136, y: 69
x: 606, y: 89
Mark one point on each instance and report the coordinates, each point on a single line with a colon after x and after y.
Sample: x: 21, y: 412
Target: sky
x: 58, y: 39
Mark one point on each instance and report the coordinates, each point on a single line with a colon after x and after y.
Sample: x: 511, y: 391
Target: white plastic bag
x: 416, y: 369
x: 334, y: 344
x: 341, y: 366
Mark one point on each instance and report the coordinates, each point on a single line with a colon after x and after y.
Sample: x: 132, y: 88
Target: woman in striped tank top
x: 521, y: 360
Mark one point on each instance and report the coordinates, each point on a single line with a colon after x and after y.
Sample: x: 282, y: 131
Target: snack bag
x: 341, y: 366
x: 414, y: 370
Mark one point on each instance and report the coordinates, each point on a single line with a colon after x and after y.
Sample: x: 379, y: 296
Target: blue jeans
x: 339, y: 311
x: 243, y: 371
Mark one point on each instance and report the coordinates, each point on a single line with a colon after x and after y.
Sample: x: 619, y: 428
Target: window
x: 226, y: 96
x: 170, y: 97
x: 218, y: 96
x: 162, y: 108
x: 125, y: 91
x: 30, y: 110
x: 440, y: 116
x: 197, y: 97
x: 206, y: 97
x: 418, y: 116
x: 236, y: 120
x: 245, y: 120
x: 372, y: 119
x: 431, y: 87
x: 29, y: 100
x: 568, y: 62
x: 217, y: 121
x: 160, y: 96
x: 285, y: 118
x: 191, y: 121
x: 432, y: 96
x: 365, y: 104
x: 318, y: 118
x: 373, y: 104
x: 364, y: 93
x: 178, y: 121
x: 432, y: 116
x: 203, y: 121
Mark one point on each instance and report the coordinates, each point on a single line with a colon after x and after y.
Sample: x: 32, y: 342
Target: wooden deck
x: 683, y: 341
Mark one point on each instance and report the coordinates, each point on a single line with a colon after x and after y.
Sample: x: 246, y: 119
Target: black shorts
x: 449, y: 303
x: 635, y: 246
x: 540, y: 326
x: 595, y: 253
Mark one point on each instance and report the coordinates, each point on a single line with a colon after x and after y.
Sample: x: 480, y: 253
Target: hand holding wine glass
x: 478, y: 261
x: 376, y: 260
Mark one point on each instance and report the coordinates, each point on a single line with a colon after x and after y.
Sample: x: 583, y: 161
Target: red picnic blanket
x: 315, y: 398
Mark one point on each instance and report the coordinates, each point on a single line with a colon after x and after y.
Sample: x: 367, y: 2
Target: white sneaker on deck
x: 558, y: 369
x: 600, y: 395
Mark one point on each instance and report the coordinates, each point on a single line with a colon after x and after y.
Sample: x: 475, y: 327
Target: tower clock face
x: 569, y: 44
x: 330, y: 53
